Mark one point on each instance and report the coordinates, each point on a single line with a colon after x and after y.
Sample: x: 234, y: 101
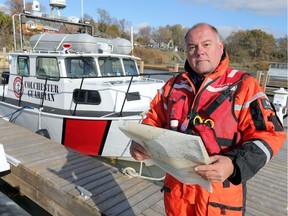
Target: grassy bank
x: 156, y: 58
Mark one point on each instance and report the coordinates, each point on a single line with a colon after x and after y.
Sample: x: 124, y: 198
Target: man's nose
x: 200, y: 50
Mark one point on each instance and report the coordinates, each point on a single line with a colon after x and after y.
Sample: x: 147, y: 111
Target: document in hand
x: 176, y: 153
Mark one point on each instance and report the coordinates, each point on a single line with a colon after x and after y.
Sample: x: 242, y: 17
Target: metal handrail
x: 45, y: 87
x: 120, y: 114
x: 78, y: 96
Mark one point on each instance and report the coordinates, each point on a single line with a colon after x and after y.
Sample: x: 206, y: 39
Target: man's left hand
x: 218, y: 171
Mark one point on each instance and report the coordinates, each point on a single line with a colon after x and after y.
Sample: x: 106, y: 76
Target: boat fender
x: 5, y: 77
x: 4, y: 165
x: 43, y: 132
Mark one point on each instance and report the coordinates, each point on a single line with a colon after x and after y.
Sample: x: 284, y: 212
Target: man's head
x: 204, y: 48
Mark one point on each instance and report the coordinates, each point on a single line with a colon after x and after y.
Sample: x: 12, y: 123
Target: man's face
x: 204, y: 50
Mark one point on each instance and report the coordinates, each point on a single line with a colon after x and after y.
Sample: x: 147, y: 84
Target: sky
x: 226, y: 15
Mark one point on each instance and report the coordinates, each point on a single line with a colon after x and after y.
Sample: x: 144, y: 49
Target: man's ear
x: 221, y: 46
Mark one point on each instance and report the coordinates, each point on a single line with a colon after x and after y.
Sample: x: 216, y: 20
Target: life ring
x: 18, y: 87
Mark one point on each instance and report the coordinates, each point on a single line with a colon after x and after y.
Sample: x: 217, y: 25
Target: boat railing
x: 125, y: 99
x: 129, y: 78
x: 148, y: 78
x: 19, y: 32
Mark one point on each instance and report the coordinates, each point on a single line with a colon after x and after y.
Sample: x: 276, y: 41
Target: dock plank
x: 123, y: 202
x: 100, y: 195
x: 149, y: 201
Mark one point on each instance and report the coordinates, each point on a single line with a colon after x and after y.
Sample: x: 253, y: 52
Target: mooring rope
x: 131, y: 172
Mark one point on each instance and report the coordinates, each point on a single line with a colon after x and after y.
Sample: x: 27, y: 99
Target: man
x: 234, y: 118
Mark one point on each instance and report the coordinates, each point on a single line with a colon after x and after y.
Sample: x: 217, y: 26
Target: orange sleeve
x: 257, y: 118
x: 158, y: 114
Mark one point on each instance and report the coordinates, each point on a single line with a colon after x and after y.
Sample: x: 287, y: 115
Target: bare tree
x: 145, y: 34
x: 104, y: 20
x: 124, y: 28
x: 162, y: 35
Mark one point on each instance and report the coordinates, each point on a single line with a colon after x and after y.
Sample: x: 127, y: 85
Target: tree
x: 124, y: 28
x: 113, y: 31
x: 162, y: 35
x: 281, y: 54
x: 15, y: 6
x: 88, y: 18
x: 6, y: 38
x: 178, y: 33
x: 104, y: 20
x: 250, y: 46
x: 144, y: 35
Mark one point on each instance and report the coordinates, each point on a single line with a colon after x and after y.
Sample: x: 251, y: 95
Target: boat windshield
x: 110, y: 66
x: 81, y: 66
x: 130, y: 67
x: 47, y: 68
x: 23, y: 65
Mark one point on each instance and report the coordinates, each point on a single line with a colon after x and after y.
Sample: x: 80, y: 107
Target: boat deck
x: 49, y: 174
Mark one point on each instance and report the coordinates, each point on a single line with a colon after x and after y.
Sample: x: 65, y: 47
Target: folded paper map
x: 174, y: 152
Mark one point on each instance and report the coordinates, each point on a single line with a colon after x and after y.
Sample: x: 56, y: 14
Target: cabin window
x: 47, y: 67
x: 86, y: 97
x: 110, y: 66
x: 81, y: 66
x: 23, y: 64
x: 130, y: 67
x: 282, y: 66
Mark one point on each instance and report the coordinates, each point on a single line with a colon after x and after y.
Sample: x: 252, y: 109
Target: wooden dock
x: 49, y: 174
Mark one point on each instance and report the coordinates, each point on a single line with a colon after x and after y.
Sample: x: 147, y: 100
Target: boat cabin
x: 77, y: 71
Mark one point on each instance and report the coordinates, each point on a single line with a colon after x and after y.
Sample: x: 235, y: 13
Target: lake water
x: 24, y: 202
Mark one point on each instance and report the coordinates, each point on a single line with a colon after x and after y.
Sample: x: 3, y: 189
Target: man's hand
x: 218, y: 171
x: 138, y: 152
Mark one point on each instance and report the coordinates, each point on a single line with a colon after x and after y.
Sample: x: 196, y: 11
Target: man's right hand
x: 138, y: 152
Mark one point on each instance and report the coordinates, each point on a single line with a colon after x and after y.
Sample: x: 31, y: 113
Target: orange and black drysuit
x: 246, y: 129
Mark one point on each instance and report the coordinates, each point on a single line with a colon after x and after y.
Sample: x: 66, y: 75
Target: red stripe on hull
x: 85, y: 136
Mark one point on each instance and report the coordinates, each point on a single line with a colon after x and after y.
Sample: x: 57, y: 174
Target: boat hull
x: 95, y: 136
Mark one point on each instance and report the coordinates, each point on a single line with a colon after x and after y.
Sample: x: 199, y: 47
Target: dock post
x: 141, y: 67
x: 265, y: 80
x: 258, y: 76
x: 176, y: 67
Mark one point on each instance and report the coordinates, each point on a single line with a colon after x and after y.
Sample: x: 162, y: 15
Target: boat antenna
x: 24, y: 7
x: 131, y: 38
x: 82, y: 11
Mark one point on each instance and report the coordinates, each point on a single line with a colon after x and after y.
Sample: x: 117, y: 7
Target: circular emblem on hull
x: 18, y: 87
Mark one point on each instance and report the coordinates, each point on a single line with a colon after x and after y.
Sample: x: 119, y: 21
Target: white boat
x: 72, y: 87
x: 278, y: 70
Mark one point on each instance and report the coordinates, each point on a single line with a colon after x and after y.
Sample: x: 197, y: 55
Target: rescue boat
x: 73, y: 87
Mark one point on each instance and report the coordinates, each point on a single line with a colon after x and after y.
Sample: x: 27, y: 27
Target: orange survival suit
x: 246, y: 129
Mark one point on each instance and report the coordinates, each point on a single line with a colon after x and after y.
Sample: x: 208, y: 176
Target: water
x: 162, y: 75
x: 24, y: 202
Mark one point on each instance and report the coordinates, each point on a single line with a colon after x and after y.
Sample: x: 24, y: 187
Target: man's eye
x: 191, y: 48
